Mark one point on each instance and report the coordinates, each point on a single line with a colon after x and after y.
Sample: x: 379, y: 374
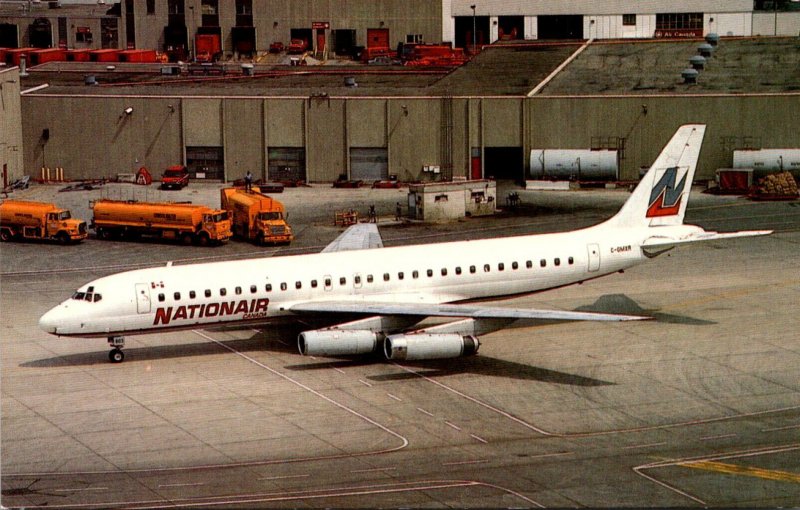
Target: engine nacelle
x: 336, y: 342
x: 429, y: 346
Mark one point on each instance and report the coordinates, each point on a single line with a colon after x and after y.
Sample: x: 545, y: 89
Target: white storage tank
x: 574, y: 164
x: 764, y: 161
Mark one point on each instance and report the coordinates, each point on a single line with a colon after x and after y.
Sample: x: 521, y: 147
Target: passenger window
x: 208, y: 292
x: 238, y: 290
x: 357, y: 279
x: 313, y: 284
x: 543, y: 263
x: 268, y: 287
x: 486, y: 268
x: 444, y: 271
x: 458, y: 270
x: 192, y: 294
x: 327, y: 282
x: 386, y: 277
x: 284, y: 286
x: 161, y: 298
x: 514, y: 265
x: 415, y: 274
x: 529, y: 264
x: 298, y: 285
x: 177, y: 296
x: 501, y: 266
x: 472, y: 269
x: 430, y: 273
x: 400, y: 275
x: 342, y: 281
x: 369, y: 278
x: 571, y: 261
x: 557, y: 261
x: 253, y: 289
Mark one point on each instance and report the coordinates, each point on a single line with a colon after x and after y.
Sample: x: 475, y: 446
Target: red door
x: 320, y: 40
x: 377, y: 38
x: 476, y: 168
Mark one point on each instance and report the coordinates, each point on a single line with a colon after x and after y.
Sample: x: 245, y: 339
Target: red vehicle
x: 297, y: 46
x: 175, y: 177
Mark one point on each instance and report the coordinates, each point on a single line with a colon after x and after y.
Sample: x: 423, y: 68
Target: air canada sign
x: 246, y: 309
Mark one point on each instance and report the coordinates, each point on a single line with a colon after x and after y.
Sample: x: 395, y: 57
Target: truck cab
x: 218, y: 226
x: 175, y: 177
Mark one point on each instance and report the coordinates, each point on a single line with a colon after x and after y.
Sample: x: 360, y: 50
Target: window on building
x: 414, y: 38
x: 628, y: 20
x: 83, y: 35
x: 679, y: 21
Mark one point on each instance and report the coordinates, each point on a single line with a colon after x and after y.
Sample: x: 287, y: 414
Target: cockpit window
x: 90, y: 296
x: 79, y: 296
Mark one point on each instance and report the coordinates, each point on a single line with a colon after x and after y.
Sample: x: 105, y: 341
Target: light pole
x: 474, y: 35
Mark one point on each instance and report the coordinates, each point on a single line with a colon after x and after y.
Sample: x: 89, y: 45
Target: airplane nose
x: 50, y: 320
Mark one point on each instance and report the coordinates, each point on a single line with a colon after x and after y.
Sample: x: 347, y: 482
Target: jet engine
x: 429, y: 346
x: 336, y: 342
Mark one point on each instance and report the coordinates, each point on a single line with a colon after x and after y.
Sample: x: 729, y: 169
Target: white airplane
x: 390, y: 290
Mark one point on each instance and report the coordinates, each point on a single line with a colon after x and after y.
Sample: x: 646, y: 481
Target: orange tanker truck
x: 187, y: 222
x: 21, y: 219
x: 256, y: 217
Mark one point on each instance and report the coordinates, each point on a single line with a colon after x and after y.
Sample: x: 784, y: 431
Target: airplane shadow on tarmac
x: 280, y: 339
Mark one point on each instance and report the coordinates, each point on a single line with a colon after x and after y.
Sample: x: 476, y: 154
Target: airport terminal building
x: 621, y: 91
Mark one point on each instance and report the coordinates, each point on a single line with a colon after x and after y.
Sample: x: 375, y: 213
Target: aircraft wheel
x: 116, y: 356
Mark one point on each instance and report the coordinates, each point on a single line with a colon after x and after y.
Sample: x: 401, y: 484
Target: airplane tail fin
x: 661, y: 196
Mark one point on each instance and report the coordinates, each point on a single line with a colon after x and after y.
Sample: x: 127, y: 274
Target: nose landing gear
x: 117, y: 343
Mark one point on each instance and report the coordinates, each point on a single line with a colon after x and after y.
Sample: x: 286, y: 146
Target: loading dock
x: 504, y: 163
x: 464, y: 30
x: 369, y: 163
x: 510, y: 28
x: 560, y: 27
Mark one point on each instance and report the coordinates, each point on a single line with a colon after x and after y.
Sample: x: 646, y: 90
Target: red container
x: 148, y: 56
x: 47, y: 55
x: 78, y: 55
x: 13, y: 54
x: 107, y: 55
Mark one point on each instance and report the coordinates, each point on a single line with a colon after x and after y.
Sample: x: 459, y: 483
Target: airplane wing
x: 657, y: 242
x: 454, y: 310
x: 361, y: 236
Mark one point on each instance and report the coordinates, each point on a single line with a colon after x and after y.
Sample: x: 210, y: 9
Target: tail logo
x: 665, y: 197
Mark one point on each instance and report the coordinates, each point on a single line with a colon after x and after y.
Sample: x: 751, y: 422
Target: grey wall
x: 92, y: 137
x: 12, y: 149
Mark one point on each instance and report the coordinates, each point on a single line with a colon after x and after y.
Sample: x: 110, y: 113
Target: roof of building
x: 754, y: 65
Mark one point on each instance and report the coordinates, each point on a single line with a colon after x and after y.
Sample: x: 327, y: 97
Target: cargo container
x: 207, y: 47
x: 38, y: 57
x: 20, y: 219
x: 138, y: 56
x: 256, y: 217
x: 104, y: 55
x: 185, y: 222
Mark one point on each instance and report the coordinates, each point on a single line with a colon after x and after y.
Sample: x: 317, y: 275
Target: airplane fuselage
x: 259, y: 290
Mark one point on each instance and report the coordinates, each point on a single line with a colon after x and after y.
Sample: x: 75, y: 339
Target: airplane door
x: 594, y: 257
x: 143, y: 297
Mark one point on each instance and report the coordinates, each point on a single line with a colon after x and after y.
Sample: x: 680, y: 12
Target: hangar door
x: 560, y: 27
x: 8, y: 36
x: 369, y: 164
x: 504, y: 163
x: 286, y: 164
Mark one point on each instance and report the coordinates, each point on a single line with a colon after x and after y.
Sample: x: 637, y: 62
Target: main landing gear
x: 117, y: 343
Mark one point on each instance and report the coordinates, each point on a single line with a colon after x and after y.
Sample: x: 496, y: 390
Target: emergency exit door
x: 143, y: 297
x: 594, y: 257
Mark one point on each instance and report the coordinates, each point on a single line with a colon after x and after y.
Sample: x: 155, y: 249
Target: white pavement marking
x: 166, y: 485
x: 775, y: 429
x: 395, y: 397
x: 721, y: 436
x: 285, y: 477
x: 477, y: 438
x: 648, y: 445
x: 453, y: 425
x: 464, y: 462
x: 423, y: 411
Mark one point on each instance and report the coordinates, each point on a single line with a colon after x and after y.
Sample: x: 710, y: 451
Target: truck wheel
x: 5, y: 235
x: 187, y: 238
x: 103, y: 233
x: 203, y: 239
x: 62, y: 238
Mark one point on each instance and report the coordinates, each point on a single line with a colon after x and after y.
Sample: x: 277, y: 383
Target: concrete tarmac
x: 699, y: 407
